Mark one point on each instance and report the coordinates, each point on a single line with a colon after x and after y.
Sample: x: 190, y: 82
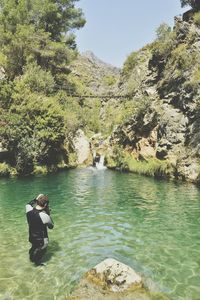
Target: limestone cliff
x: 167, y: 127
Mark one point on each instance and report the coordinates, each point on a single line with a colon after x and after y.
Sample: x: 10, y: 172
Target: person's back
x: 39, y: 219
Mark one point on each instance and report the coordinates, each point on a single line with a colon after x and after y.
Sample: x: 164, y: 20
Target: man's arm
x: 29, y: 205
x: 46, y: 219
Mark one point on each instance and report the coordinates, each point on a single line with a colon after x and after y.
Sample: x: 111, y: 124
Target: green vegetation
x: 164, y: 42
x: 109, y: 80
x: 146, y: 166
x: 36, y: 46
x: 196, y: 18
x: 4, y: 169
x: 130, y: 63
x: 193, y: 3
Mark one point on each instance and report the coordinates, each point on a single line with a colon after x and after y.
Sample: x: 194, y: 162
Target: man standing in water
x: 38, y: 217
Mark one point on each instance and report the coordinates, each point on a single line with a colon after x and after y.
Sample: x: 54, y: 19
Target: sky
x: 115, y: 28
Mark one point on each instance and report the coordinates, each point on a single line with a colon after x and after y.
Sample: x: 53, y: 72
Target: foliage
x: 164, y: 42
x: 179, y: 57
x: 72, y: 160
x: 4, y: 169
x: 40, y: 32
x: 89, y: 115
x: 149, y: 166
x: 34, y: 79
x: 193, y: 81
x: 40, y: 170
x: 193, y: 3
x: 196, y: 18
x: 37, y: 44
x: 6, y: 89
x: 109, y: 80
x: 34, y: 131
x: 163, y: 31
x: 130, y: 63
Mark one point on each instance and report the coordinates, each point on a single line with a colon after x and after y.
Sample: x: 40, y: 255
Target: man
x: 38, y: 217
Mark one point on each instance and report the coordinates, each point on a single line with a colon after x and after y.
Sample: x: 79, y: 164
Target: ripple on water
x: 153, y: 226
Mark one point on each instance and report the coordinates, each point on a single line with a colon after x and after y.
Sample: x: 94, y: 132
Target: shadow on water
x: 53, y: 247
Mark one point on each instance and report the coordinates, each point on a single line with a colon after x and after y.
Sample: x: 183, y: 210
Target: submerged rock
x: 112, y: 280
x: 114, y: 276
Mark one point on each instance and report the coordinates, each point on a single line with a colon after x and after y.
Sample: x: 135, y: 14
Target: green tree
x: 162, y: 32
x: 38, y: 30
x: 37, y: 44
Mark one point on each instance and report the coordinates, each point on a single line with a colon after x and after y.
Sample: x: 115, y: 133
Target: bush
x: 163, y: 45
x: 40, y: 170
x: 109, y: 80
x: 149, y: 166
x: 163, y: 32
x: 194, y: 81
x: 130, y: 63
x: 196, y: 18
x: 5, y: 170
x: 180, y: 57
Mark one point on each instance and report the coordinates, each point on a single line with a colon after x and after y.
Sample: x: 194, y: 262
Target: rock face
x: 96, y: 76
x: 82, y: 147
x: 167, y: 127
x: 112, y: 280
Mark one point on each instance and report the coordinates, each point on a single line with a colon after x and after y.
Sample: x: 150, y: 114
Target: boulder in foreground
x: 112, y: 280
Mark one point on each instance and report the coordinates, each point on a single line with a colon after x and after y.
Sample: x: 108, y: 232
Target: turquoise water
x: 153, y: 226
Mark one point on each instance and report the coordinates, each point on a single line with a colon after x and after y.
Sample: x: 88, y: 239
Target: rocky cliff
x: 166, y: 127
x: 93, y: 76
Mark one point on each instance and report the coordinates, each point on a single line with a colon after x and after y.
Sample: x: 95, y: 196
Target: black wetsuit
x: 38, y: 221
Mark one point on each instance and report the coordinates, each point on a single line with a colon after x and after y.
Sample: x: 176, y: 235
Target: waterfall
x: 100, y: 164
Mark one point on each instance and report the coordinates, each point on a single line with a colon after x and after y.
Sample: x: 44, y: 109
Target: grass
x: 146, y: 166
x: 149, y: 167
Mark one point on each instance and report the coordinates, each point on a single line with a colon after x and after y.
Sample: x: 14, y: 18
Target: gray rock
x: 112, y: 280
x: 82, y: 147
x: 116, y: 275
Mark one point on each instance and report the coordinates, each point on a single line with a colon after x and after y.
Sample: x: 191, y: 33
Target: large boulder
x: 82, y: 147
x: 114, y: 276
x: 112, y: 280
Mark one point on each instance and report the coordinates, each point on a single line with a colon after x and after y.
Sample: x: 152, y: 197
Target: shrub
x: 149, y: 166
x: 180, y: 57
x: 72, y: 160
x: 194, y: 80
x: 109, y: 80
x: 196, y: 18
x: 130, y: 63
x: 163, y: 45
x: 5, y: 169
x: 40, y: 170
x: 163, y: 32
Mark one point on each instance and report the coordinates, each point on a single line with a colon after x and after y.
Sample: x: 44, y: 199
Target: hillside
x: 162, y: 139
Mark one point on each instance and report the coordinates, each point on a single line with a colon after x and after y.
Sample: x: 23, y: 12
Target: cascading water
x: 100, y: 164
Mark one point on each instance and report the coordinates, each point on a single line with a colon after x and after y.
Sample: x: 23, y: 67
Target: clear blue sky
x: 115, y: 28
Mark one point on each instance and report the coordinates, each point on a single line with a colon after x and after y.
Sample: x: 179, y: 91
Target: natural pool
x: 153, y: 226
